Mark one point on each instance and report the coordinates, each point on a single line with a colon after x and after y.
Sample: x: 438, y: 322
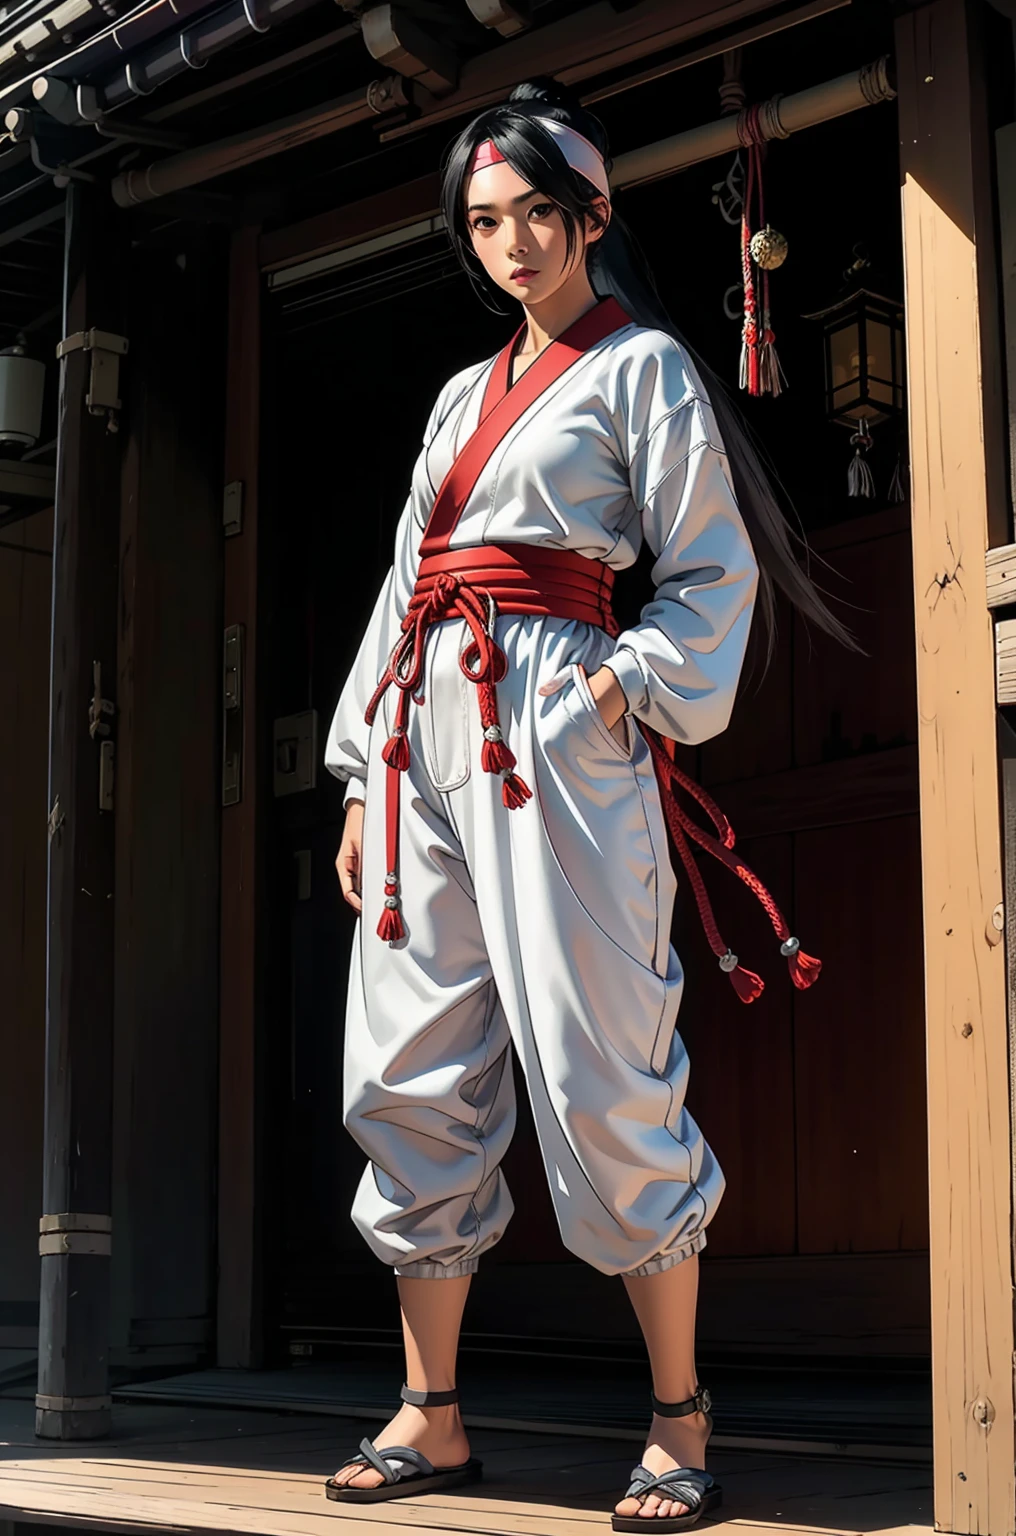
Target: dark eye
x: 541, y: 210
x: 483, y: 221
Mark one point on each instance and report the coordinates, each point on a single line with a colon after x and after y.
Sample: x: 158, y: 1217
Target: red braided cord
x: 719, y: 850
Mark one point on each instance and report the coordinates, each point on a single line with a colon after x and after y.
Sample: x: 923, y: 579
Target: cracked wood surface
x: 953, y: 369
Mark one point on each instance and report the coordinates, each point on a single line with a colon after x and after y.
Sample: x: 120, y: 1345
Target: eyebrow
x: 523, y: 197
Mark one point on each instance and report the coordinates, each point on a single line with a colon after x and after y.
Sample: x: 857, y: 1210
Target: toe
x: 650, y: 1506
x: 357, y: 1476
x: 366, y: 1477
x: 628, y: 1508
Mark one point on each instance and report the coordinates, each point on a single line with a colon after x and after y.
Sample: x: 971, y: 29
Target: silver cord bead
x: 391, y: 902
x: 391, y: 878
x: 790, y: 947
x: 493, y: 733
x: 728, y: 962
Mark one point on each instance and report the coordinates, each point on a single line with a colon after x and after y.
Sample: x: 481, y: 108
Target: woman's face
x: 519, y: 235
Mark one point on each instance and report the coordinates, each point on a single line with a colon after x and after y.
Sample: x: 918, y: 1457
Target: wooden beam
x: 73, y: 1401
x: 957, y: 470
x: 594, y: 40
x: 239, y: 1332
x: 395, y: 207
x: 35, y: 482
x: 373, y: 215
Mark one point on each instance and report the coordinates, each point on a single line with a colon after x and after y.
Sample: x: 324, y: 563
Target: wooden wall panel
x: 26, y: 581
x: 845, y: 703
x: 858, y: 1041
x: 760, y: 737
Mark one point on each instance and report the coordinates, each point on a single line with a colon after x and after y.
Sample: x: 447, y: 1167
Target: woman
x: 504, y: 816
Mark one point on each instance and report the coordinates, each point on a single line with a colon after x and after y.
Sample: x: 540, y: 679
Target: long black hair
x: 617, y: 268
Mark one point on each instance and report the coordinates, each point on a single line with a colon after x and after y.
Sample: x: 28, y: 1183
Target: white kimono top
x: 622, y: 448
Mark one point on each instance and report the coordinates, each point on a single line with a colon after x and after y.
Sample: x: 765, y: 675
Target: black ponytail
x: 617, y: 269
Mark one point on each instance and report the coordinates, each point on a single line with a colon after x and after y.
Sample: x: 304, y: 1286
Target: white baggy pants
x: 546, y: 929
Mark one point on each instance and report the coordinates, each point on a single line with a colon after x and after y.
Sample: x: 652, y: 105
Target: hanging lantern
x: 863, y: 336
x: 22, y: 381
x: 864, y: 381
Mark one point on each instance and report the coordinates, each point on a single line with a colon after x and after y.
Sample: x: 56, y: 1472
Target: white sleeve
x: 679, y: 666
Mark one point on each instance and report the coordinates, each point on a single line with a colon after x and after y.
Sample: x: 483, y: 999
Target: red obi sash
x: 477, y: 585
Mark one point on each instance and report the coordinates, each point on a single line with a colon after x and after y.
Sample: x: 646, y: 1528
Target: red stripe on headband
x: 486, y: 154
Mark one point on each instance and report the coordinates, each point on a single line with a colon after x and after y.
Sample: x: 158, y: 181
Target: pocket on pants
x: 594, y: 797
x: 582, y: 708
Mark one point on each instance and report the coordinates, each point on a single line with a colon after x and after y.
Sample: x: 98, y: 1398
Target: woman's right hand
x: 348, y: 860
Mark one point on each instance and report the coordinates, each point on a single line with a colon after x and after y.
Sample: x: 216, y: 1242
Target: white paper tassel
x: 860, y: 480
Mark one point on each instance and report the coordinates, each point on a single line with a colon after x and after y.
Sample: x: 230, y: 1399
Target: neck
x: 555, y: 314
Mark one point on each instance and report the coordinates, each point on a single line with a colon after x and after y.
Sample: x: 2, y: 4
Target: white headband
x: 580, y: 154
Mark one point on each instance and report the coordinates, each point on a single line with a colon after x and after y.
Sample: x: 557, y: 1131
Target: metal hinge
x: 99, y: 712
x: 99, y: 709
x: 107, y: 349
x: 232, y: 715
x: 106, y: 770
x: 232, y: 509
x: 77, y: 1233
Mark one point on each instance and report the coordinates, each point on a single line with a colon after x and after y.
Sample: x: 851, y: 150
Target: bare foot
x: 672, y: 1443
x: 436, y: 1432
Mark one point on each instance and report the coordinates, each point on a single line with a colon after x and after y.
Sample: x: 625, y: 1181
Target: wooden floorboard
x: 203, y: 1471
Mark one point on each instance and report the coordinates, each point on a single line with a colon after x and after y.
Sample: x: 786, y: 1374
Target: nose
x: 515, y: 239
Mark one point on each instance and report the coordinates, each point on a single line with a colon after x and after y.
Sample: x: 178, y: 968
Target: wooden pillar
x: 73, y: 1392
x: 959, y: 508
x: 239, y: 1329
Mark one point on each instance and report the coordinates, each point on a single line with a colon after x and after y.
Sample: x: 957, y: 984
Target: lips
x: 523, y: 274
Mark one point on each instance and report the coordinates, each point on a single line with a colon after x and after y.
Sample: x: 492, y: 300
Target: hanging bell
x: 768, y: 249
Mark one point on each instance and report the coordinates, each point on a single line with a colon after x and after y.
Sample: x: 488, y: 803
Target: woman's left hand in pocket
x: 608, y: 695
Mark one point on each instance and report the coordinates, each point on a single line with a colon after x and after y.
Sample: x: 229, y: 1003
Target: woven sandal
x: 688, y: 1485
x: 406, y: 1471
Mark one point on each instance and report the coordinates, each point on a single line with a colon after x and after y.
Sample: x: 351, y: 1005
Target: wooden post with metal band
x: 73, y: 1400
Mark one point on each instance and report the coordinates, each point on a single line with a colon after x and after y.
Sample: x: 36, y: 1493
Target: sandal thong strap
x: 700, y: 1403
x: 429, y: 1399
x: 686, y: 1484
x: 381, y: 1461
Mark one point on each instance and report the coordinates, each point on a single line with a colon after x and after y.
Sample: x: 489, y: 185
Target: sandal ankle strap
x: 700, y: 1403
x: 429, y: 1399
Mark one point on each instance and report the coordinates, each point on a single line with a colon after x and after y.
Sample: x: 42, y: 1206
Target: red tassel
x: 804, y: 970
x: 390, y: 927
x: 515, y: 791
x: 497, y: 757
x: 396, y: 751
x: 746, y: 984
